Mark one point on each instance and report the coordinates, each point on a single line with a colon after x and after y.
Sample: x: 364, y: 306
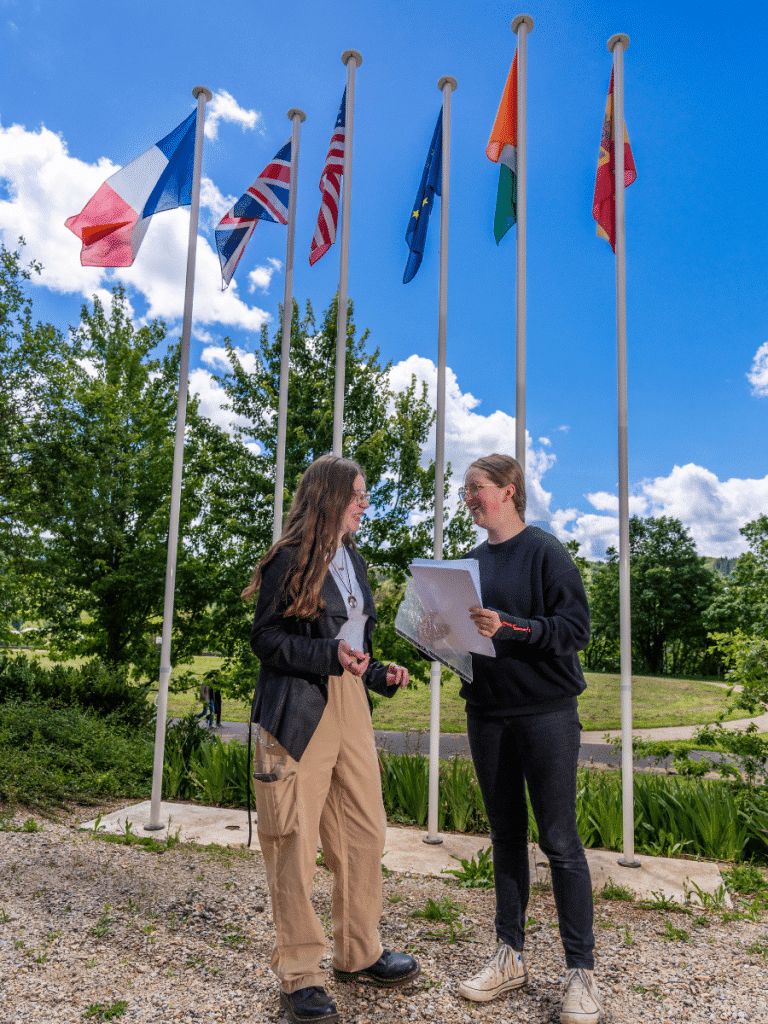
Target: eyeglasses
x: 361, y: 497
x: 472, y: 491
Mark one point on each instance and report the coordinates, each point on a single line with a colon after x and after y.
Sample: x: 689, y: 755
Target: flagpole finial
x: 295, y: 112
x: 447, y: 80
x: 206, y: 92
x: 620, y: 37
x: 522, y: 19
x: 349, y: 55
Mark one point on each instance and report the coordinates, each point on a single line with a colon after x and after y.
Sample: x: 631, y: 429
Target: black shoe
x: 311, y: 1005
x: 390, y: 971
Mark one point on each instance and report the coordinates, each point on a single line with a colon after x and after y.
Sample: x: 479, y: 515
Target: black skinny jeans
x: 540, y: 751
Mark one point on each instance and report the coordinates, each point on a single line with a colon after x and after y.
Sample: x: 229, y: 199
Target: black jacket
x: 298, y: 655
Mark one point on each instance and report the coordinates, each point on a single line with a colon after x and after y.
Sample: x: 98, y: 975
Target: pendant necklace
x: 347, y: 585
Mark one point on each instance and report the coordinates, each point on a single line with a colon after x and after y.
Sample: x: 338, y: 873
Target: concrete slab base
x: 406, y: 851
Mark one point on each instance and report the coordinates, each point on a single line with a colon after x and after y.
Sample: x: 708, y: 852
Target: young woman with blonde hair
x: 316, y: 767
x: 524, y: 730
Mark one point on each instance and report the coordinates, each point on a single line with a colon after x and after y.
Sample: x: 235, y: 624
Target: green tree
x: 671, y: 590
x: 98, y: 446
x: 743, y: 605
x: 33, y: 359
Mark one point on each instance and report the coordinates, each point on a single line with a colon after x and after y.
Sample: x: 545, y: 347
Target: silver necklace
x: 347, y: 585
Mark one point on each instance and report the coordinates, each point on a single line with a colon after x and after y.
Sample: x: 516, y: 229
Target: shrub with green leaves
x: 105, y: 691
x: 52, y: 754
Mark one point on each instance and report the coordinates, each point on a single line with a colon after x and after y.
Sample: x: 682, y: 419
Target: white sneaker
x: 581, y: 1000
x: 505, y: 972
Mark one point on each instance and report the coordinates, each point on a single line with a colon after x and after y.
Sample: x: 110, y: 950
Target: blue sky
x: 84, y: 88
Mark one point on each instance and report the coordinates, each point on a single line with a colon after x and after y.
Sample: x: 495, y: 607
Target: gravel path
x: 186, y: 936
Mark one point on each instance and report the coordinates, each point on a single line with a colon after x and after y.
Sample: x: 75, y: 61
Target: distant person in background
x: 524, y: 730
x: 316, y: 766
x: 206, y: 696
x: 216, y: 698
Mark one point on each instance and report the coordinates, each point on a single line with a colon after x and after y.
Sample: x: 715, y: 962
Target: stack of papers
x: 434, y: 614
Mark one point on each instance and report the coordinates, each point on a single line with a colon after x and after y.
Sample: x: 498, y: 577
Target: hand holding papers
x: 434, y: 615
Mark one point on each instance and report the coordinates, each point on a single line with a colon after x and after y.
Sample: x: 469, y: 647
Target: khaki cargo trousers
x: 333, y: 792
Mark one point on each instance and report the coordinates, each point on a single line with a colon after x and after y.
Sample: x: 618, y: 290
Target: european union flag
x: 431, y: 186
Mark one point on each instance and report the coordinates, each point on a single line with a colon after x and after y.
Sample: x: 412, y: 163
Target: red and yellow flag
x: 502, y: 149
x: 604, y: 203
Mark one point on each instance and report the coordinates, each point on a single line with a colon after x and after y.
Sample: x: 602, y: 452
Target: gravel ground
x: 186, y: 936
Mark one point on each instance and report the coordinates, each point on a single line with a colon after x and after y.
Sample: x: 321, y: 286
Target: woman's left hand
x: 486, y: 620
x: 397, y: 676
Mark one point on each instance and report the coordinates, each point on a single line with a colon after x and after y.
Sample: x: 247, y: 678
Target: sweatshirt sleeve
x: 271, y: 638
x: 563, y: 630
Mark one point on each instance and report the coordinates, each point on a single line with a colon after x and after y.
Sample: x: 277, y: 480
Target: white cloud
x: 261, y: 277
x: 213, y: 400
x: 758, y: 373
x: 469, y: 434
x: 45, y: 185
x: 217, y: 357
x: 214, y: 201
x: 224, y: 107
x: 712, y: 510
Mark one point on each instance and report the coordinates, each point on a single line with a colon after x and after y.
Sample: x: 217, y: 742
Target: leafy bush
x: 52, y: 754
x: 105, y: 691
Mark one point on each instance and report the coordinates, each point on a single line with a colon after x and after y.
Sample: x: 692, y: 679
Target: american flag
x: 266, y: 199
x: 330, y: 187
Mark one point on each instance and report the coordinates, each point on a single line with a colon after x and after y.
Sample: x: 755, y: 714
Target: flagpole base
x: 620, y: 37
x: 629, y: 863
x: 522, y: 19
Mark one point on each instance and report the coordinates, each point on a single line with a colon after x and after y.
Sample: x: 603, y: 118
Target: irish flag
x: 604, y: 203
x: 114, y: 221
x: 502, y: 149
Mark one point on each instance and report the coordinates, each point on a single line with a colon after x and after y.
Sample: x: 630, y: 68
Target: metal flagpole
x: 522, y: 25
x: 203, y: 96
x: 296, y: 116
x: 446, y: 85
x: 617, y: 45
x: 352, y: 60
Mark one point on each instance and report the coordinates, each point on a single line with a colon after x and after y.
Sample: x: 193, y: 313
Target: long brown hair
x: 312, y: 528
x: 505, y: 470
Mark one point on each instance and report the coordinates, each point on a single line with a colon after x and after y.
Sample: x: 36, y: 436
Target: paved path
x: 594, y: 749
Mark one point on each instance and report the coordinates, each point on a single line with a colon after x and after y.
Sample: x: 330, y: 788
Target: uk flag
x: 330, y: 188
x: 266, y: 199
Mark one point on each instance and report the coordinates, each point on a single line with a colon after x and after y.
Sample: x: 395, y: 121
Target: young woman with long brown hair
x: 316, y: 766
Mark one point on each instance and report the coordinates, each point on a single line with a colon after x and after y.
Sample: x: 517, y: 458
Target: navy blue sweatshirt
x: 536, y: 588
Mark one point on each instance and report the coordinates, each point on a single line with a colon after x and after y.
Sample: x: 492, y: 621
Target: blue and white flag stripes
x: 266, y: 199
x: 431, y: 185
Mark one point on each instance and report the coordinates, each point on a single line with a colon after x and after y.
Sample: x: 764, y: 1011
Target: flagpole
x: 617, y: 44
x: 522, y: 25
x: 446, y: 85
x: 202, y: 95
x: 296, y: 116
x: 351, y: 60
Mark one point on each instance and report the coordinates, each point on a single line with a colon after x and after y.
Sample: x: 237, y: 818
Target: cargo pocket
x: 276, y: 807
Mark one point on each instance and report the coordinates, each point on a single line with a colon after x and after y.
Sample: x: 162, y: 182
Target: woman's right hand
x: 351, y: 660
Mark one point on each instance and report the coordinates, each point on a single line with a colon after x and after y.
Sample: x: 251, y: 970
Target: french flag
x: 113, y: 223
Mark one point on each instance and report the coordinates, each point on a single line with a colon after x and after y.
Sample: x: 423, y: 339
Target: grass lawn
x: 655, y: 701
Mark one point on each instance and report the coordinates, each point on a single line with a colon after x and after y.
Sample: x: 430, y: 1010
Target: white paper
x: 409, y: 624
x: 448, y: 589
